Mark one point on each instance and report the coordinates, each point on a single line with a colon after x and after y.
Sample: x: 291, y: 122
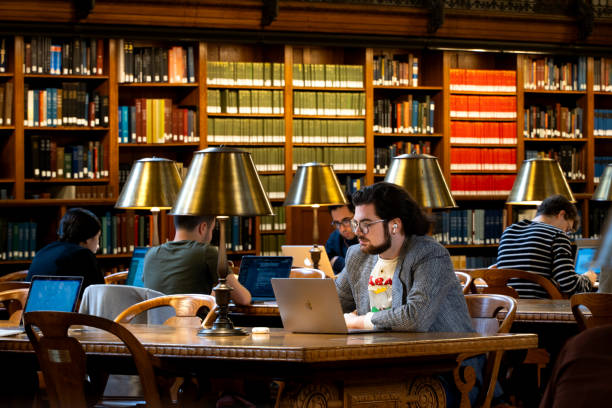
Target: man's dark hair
x: 349, y: 205
x: 78, y: 225
x: 190, y: 222
x: 553, y: 205
x: 392, y: 201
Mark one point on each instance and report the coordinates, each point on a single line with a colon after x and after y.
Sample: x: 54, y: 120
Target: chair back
x: 117, y: 278
x: 185, y: 306
x: 15, y: 300
x: 14, y: 276
x: 484, y: 309
x: 497, y: 281
x: 600, y: 306
x: 9, y: 285
x: 63, y: 360
x: 306, y: 273
x: 465, y: 280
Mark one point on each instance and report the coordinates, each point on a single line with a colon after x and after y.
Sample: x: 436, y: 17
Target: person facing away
x: 74, y: 253
x: 542, y: 246
x: 342, y: 237
x: 189, y: 263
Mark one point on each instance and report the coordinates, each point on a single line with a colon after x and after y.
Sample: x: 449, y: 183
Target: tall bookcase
x: 287, y: 104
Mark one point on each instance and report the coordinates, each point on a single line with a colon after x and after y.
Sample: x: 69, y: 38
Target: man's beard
x: 376, y: 250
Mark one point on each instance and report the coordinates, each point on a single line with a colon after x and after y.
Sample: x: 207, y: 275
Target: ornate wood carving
x: 314, y: 395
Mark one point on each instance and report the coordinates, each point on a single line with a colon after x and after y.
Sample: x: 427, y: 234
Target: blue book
x: 235, y: 234
x: 120, y: 124
x: 36, y: 107
x: 126, y: 123
x: 33, y: 227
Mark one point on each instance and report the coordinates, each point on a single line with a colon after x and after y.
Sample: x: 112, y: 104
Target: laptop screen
x: 134, y: 277
x: 256, y: 273
x: 584, y: 256
x: 54, y: 293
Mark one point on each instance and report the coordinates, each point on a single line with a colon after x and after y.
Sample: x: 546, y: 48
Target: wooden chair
x: 466, y: 280
x: 63, y: 361
x: 497, y: 281
x: 600, y: 306
x: 483, y: 309
x: 117, y: 278
x: 186, y: 308
x: 15, y: 300
x: 8, y: 308
x: 306, y: 273
x: 14, y: 276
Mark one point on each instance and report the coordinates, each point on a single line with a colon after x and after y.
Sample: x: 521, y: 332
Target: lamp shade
x: 222, y: 181
x: 538, y: 179
x: 152, y: 183
x: 603, y: 192
x: 315, y: 184
x: 421, y: 176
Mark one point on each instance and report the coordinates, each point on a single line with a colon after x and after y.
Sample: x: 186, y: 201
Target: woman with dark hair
x: 74, y: 253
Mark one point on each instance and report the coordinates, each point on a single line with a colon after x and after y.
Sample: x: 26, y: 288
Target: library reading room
x: 305, y: 203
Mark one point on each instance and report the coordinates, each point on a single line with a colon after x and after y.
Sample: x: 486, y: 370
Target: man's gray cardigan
x: 427, y: 296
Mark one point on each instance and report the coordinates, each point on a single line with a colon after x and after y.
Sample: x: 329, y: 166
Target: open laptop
x: 256, y: 273
x: 302, y: 259
x: 585, y: 253
x: 311, y: 306
x: 134, y: 277
x: 49, y: 293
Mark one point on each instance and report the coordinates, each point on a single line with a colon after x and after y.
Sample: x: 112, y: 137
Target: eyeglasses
x: 364, y: 226
x: 346, y: 222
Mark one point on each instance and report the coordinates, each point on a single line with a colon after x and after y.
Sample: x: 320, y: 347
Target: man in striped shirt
x: 542, y: 246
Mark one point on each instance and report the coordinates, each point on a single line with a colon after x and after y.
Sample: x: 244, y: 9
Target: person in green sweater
x: 189, y: 263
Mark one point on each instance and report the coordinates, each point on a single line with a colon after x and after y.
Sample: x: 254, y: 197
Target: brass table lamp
x: 538, y: 179
x: 153, y: 184
x: 222, y: 182
x: 314, y: 185
x: 421, y: 176
x: 603, y: 192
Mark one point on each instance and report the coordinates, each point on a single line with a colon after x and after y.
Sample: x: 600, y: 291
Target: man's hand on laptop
x: 592, y: 276
x: 354, y: 321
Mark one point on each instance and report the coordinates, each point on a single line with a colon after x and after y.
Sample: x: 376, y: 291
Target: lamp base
x: 224, y: 331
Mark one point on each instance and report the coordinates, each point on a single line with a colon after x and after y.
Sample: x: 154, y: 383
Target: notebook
x: 311, y: 306
x: 134, y: 277
x: 585, y: 253
x: 52, y: 293
x: 257, y: 271
x: 302, y: 259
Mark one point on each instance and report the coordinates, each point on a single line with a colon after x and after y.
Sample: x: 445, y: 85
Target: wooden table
x: 392, y: 369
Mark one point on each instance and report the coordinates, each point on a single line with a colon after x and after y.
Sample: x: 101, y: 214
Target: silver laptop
x: 585, y: 253
x: 302, y: 259
x: 311, y: 306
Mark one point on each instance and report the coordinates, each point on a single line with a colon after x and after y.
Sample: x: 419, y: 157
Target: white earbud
x: 394, y: 227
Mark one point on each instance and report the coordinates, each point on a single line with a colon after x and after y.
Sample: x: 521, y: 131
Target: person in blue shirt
x: 342, y: 237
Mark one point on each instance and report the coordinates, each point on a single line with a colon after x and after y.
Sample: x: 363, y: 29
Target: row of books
x: 350, y: 184
x: 553, y: 121
x: 472, y: 262
x: 329, y: 103
x: 121, y: 232
x: 328, y: 75
x: 246, y: 101
x: 245, y: 73
x: 276, y: 222
x: 408, y: 116
x: 6, y: 104
x: 60, y: 56
x: 482, y: 80
x: 70, y: 191
x: 482, y: 159
x: 474, y: 226
x: 273, y: 185
x: 328, y: 131
x: 603, y: 122
x: 486, y: 133
x: 569, y: 157
x: 555, y: 74
x: 17, y: 239
x: 155, y: 64
x: 342, y: 158
x: 383, y: 155
x: 4, y: 42
x: 70, y: 105
x: 246, y: 130
x: 74, y: 161
x: 239, y: 234
x: 267, y: 158
x: 396, y: 70
x: 481, y: 185
x: 602, y: 74
x: 485, y: 107
x: 601, y: 162
x: 157, y: 121
x: 271, y: 244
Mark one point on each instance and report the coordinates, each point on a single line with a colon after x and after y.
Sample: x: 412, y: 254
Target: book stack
x: 482, y: 80
x: 483, y: 132
x: 273, y: 185
x: 271, y: 244
x: 553, y: 121
x: 481, y: 185
x: 246, y: 101
x: 246, y: 130
x: 342, y: 158
x: 48, y: 160
x: 276, y: 222
x: 77, y: 56
x: 569, y: 157
x: 6, y: 104
x: 17, y: 239
x: 239, y: 234
x: 313, y: 131
x: 383, y: 155
x: 408, y: 116
x: 329, y: 103
x: 555, y: 74
x: 479, y: 159
x: 603, y: 122
x: 327, y: 76
x: 396, y: 70
x: 245, y: 73
x: 482, y: 107
x: 473, y: 226
x: 155, y: 64
x: 602, y: 75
